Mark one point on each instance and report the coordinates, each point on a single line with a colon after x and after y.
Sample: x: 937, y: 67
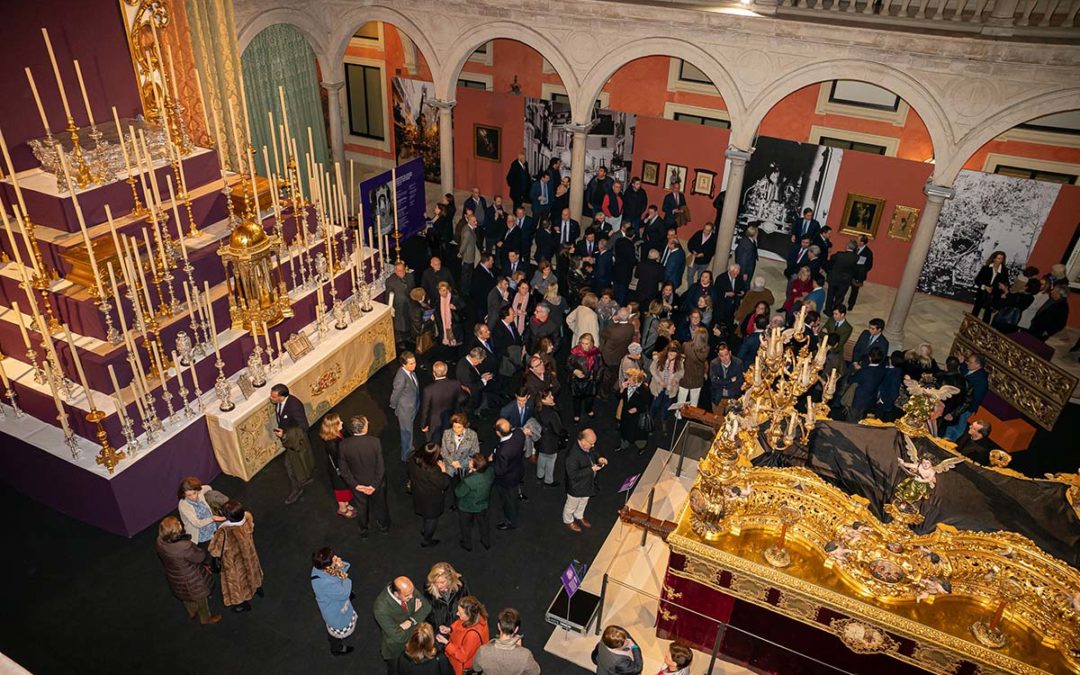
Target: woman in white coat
x: 583, y: 319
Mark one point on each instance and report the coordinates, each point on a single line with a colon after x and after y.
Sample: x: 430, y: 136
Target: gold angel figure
x: 924, y: 473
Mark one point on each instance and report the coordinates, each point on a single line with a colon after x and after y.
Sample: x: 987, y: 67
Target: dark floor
x: 81, y: 600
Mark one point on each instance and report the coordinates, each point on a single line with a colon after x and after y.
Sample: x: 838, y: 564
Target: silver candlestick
x: 39, y: 373
x: 184, y: 348
x: 153, y: 423
x: 127, y: 427
x: 14, y: 400
x: 111, y: 334
x: 223, y: 388
x: 72, y: 441
x: 183, y: 392
x: 197, y: 397
x: 255, y: 368
x: 339, y: 315
x: 167, y: 396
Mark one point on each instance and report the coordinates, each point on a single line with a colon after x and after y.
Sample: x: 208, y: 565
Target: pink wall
x: 505, y: 111
x: 91, y: 31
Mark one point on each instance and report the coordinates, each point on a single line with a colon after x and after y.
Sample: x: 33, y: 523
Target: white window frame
x: 890, y: 143
x: 897, y: 118
x: 384, y: 144
x: 671, y: 108
x: 993, y: 160
x: 487, y: 57
x: 676, y: 84
x: 487, y: 80
x: 548, y: 69
x: 363, y: 43
x: 549, y: 88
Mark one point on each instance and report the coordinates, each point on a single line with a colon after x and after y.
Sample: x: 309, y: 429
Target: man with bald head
x: 399, y: 609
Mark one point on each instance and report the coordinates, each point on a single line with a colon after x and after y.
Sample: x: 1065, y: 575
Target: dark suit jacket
x: 581, y: 249
x: 510, y: 460
x: 477, y: 208
x: 482, y: 283
x: 580, y: 478
x: 469, y: 377
x: 726, y: 305
x: 707, y: 248
x: 362, y: 461
x: 675, y: 267
x: 437, y: 397
x: 650, y: 275
x: 556, y: 228
x: 842, y: 269
x: 861, y: 271
x: 655, y: 236
x: 547, y: 246
x: 292, y: 414
x: 869, y: 379
x: 604, y: 268
x: 522, y: 266
x: 726, y: 386
x: 801, y: 229
x: 430, y: 281
x: 614, y: 342
x: 625, y: 260
x: 512, y: 241
x: 490, y: 361
x: 669, y: 208
x: 509, y: 412
x: 861, y: 352
x: 519, y: 181
x: 746, y: 255
x: 504, y: 337
x: 794, y: 262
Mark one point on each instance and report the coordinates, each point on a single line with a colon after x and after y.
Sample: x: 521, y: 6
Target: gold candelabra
x: 108, y: 456
x: 83, y: 175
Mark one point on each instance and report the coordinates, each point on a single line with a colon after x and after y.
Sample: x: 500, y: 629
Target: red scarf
x: 589, y: 356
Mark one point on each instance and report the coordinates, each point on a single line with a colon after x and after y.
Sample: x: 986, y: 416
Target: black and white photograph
x: 416, y: 124
x: 990, y: 212
x: 382, y: 207
x: 783, y: 178
x: 610, y: 141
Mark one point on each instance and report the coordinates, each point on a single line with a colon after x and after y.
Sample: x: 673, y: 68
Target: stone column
x: 446, y: 144
x: 333, y: 104
x: 767, y: 7
x: 1002, y: 19
x: 577, y: 169
x: 725, y: 229
x: 916, y: 258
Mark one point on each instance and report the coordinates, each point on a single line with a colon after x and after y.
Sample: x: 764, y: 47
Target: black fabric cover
x: 864, y: 461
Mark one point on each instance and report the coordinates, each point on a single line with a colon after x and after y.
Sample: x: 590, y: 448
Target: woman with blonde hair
x: 634, y: 401
x: 555, y: 302
x: 331, y: 431
x: 421, y: 657
x: 667, y: 372
x: 583, y: 319
x: 444, y: 590
x: 919, y: 361
x: 695, y: 366
x: 467, y: 634
x: 585, y: 366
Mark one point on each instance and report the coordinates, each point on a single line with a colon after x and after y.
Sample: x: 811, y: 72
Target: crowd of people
x: 508, y: 320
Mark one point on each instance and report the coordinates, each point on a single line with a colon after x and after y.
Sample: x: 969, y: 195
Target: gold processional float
x: 992, y: 598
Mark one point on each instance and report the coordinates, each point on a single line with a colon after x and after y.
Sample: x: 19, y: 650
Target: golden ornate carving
x: 668, y: 616
x: 806, y: 610
x: 862, y: 638
x: 670, y: 593
x: 326, y: 380
x: 1025, y: 380
x: 256, y: 439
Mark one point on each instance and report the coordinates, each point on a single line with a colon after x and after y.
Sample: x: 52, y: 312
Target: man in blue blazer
x: 674, y: 203
x: 867, y: 380
x: 673, y: 258
x: 540, y: 196
x: 870, y: 338
x: 805, y: 227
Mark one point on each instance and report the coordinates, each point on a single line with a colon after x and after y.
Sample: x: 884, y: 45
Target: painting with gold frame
x: 487, y: 142
x: 862, y: 215
x: 904, y: 221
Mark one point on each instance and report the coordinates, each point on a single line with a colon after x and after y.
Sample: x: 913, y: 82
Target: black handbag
x: 645, y: 422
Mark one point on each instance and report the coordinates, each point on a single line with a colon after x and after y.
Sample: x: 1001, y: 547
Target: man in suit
x: 292, y: 429
x: 805, y: 227
x: 527, y: 224
x: 469, y: 253
x: 513, y: 264
x: 509, y: 343
x: 509, y: 467
x: 867, y: 381
x: 362, y: 469
x: 541, y: 194
x: 483, y: 280
x: 518, y: 180
x: 823, y: 240
x: 479, y: 206
x: 625, y: 255
x: 839, y: 325
x: 547, y: 244
x: 398, y: 610
x: 864, y: 262
x: 554, y: 172
x: 674, y: 203
x: 746, y: 252
x: 978, y: 383
x: 650, y: 274
x: 702, y: 246
x: 404, y: 399
x: 603, y: 265
x: 431, y: 277
x: 512, y: 241
x: 655, y: 231
x: 582, y: 462
x: 841, y: 273
x: 476, y: 379
x: 587, y: 247
x: 751, y: 343
x: 439, y: 400
x: 398, y: 285
x: 635, y: 202
x: 566, y: 229
x: 725, y: 379
x: 673, y: 259
x: 730, y: 289
x: 869, y: 339
x: 494, y: 227
x: 520, y: 410
x: 497, y: 298
x: 798, y: 256
x: 976, y: 444
x: 615, y: 342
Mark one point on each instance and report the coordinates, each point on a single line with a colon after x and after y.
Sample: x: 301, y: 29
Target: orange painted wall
x: 506, y: 111
x: 1056, y: 235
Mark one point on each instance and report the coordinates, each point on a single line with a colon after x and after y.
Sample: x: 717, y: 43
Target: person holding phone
x: 582, y: 464
x: 506, y: 654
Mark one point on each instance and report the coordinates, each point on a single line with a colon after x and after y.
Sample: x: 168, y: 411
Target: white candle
x: 147, y: 197
x: 179, y: 370
x: 150, y: 166
x: 286, y: 136
x: 176, y: 217
x: 149, y: 253
x: 163, y: 374
x: 116, y: 395
x: 172, y: 73
x: 194, y: 376
x: 22, y: 327
x: 18, y: 217
x: 202, y: 101
x: 79, y: 368
x: 190, y: 305
x: 82, y: 227
x: 266, y: 336
x: 273, y: 144
x: 56, y: 72
x: 213, y: 324
x: 277, y: 341
x: 142, y: 274
x: 37, y: 100
x: 120, y: 140
x: 85, y: 98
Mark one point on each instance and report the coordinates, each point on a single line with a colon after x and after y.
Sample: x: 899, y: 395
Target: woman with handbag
x: 695, y: 366
x: 449, y: 327
x: 585, y: 366
x: 234, y: 545
x: 538, y: 378
x: 333, y: 593
x: 186, y: 570
x: 331, y: 432
x: 552, y: 439
x: 429, y: 480
x: 459, y: 443
x: 467, y: 634
x: 635, y: 420
x: 667, y: 372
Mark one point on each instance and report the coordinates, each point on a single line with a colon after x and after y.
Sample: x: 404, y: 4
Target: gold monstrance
x: 257, y: 292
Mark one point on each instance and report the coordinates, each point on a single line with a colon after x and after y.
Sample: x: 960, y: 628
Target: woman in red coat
x: 800, y: 288
x: 467, y: 634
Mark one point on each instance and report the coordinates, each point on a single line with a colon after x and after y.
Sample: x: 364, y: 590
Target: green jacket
x: 389, y: 615
x: 474, y: 490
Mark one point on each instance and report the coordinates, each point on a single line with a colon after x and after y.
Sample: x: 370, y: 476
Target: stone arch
x: 1006, y: 118
x: 921, y: 100
x: 298, y: 20
x: 351, y: 20
x: 602, y: 70
x: 507, y: 30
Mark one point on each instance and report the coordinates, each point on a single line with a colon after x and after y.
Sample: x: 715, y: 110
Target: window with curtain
x: 363, y: 86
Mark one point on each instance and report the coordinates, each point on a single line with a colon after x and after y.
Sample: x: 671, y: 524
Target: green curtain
x: 280, y: 56
x: 213, y: 42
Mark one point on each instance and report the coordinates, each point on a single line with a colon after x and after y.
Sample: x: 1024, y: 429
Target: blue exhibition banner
x: 376, y: 196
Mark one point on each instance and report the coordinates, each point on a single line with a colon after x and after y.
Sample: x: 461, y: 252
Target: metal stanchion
x: 600, y: 607
x: 720, y: 630
x: 648, y: 514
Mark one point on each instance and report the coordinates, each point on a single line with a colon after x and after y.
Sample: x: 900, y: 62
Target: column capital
x: 941, y: 192
x: 443, y: 104
x: 736, y: 154
x: 332, y: 86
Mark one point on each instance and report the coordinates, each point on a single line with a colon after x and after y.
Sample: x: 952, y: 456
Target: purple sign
x: 570, y: 580
x: 628, y: 484
x: 377, y: 198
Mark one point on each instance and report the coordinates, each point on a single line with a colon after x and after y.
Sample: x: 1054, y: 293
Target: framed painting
x: 904, y: 221
x: 703, y: 182
x: 674, y: 173
x: 487, y: 142
x: 650, y: 173
x: 862, y: 215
